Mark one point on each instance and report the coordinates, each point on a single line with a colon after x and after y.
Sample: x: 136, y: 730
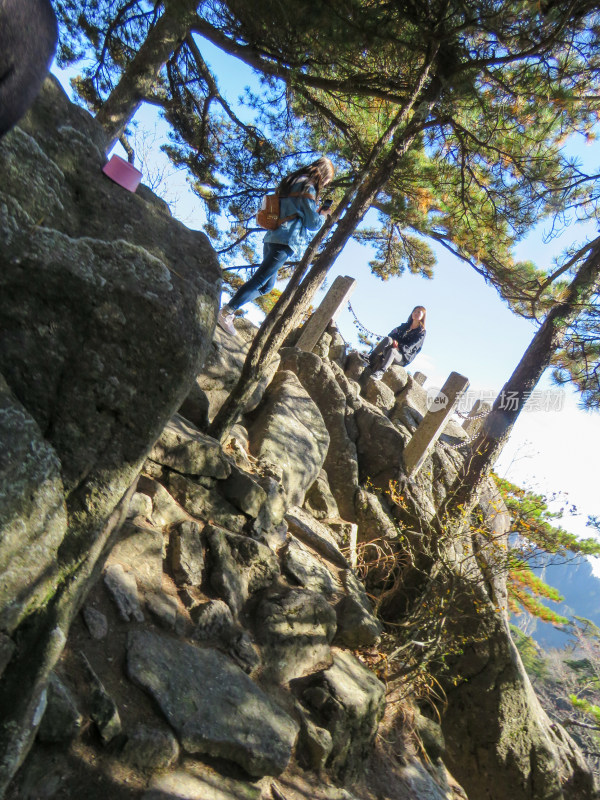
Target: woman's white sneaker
x: 225, y: 321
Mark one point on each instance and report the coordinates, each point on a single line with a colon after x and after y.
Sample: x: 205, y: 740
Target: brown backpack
x: 268, y: 214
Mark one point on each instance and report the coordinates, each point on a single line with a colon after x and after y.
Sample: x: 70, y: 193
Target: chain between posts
x: 449, y: 446
x: 468, y: 416
x: 359, y: 324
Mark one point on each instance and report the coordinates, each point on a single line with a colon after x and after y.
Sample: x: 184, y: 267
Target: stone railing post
x: 433, y: 423
x: 330, y: 307
x: 420, y: 378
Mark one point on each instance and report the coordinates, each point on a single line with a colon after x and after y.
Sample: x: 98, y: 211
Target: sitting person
x: 299, y: 215
x: 402, y: 344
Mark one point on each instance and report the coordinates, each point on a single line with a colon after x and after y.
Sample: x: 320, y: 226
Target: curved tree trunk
x: 508, y: 405
x: 140, y: 76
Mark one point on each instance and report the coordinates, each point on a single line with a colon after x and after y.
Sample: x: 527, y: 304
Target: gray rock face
x: 33, y: 516
x: 346, y: 535
x: 7, y: 648
x: 95, y: 622
x: 213, y: 705
x: 183, y: 448
x: 431, y: 735
x: 350, y: 388
x: 140, y: 506
x: 319, y: 380
x: 349, y: 701
x: 123, y: 590
x: 495, y: 720
x: 288, y: 430
x: 214, y: 621
x: 406, y: 416
x: 274, y: 508
x: 243, y: 651
x: 222, y: 369
x: 319, y: 501
x: 102, y: 305
x: 337, y: 348
x: 244, y: 492
x: 150, y: 748
x: 140, y: 551
x: 413, y: 395
x: 62, y: 720
x: 355, y: 365
x: 239, y: 566
x: 187, y: 553
x: 302, y: 566
x: 215, y: 624
x: 380, y: 446
x: 357, y: 626
x: 316, y: 536
x: 100, y: 340
x: 103, y: 708
x: 295, y: 629
x: 396, y: 378
x: 321, y: 348
x: 315, y: 743
x: 195, y: 408
x: 165, y: 511
x: 205, y: 503
x: 198, y: 782
x: 373, y: 520
x: 378, y: 394
x: 165, y: 611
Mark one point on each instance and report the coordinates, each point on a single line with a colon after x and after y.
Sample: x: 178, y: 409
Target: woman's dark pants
x: 265, y: 277
x: 385, y: 355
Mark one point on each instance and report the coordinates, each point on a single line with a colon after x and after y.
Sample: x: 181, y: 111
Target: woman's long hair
x: 318, y: 173
x: 421, y: 321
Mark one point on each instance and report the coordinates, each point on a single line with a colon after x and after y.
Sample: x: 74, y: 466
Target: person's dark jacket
x: 409, y: 341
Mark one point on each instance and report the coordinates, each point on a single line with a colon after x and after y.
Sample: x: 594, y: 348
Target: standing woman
x: 298, y: 195
x: 401, y: 345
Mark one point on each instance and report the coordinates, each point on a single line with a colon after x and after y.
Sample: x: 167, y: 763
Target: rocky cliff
x: 106, y: 310
x: 241, y: 621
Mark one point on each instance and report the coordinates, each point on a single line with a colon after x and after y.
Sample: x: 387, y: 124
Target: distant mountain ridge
x: 576, y: 582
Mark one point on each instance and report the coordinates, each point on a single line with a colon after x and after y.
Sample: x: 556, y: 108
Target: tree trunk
x: 140, y: 76
x: 508, y: 405
x: 297, y: 296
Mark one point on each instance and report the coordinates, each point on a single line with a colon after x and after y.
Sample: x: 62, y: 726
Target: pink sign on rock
x: 123, y: 173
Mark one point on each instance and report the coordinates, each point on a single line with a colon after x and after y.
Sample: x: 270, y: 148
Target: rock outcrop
x: 107, y: 307
x: 213, y: 706
x: 287, y: 430
x: 243, y: 605
x: 495, y: 721
x: 220, y: 374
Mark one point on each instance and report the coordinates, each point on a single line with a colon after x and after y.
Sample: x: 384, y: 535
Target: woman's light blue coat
x: 295, y: 232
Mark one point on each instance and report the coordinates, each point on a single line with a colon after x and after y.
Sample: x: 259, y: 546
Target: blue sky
x: 469, y: 329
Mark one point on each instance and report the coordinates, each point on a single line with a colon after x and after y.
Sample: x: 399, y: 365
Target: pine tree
x: 446, y: 118
x: 454, y: 79
x: 155, y: 37
x: 535, y: 540
x: 547, y: 342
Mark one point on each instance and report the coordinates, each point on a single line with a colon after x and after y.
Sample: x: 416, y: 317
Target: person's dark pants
x: 265, y: 277
x: 384, y: 355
